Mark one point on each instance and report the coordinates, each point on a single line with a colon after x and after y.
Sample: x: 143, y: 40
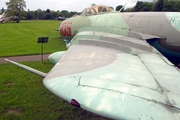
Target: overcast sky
x: 71, y: 5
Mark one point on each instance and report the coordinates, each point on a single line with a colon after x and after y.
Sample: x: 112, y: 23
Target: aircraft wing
x: 117, y: 77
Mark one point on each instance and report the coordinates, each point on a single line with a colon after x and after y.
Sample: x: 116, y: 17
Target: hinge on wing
x: 160, y: 88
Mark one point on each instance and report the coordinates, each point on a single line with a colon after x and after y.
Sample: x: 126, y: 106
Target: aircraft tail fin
x: 28, y: 68
x: 2, y: 16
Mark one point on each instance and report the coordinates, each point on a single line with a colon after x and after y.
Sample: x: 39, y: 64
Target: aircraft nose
x: 66, y: 29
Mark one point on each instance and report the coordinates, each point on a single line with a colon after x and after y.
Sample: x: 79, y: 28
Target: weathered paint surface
x: 116, y: 76
x: 111, y: 68
x: 160, y: 29
x: 69, y: 28
x: 108, y: 20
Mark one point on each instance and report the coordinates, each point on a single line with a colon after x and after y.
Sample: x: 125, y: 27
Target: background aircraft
x: 2, y: 17
x: 60, y: 18
x: 111, y: 69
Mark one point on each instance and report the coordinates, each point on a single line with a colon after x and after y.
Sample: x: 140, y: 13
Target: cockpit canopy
x: 95, y: 9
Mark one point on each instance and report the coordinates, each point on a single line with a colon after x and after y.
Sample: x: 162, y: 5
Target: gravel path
x: 24, y: 58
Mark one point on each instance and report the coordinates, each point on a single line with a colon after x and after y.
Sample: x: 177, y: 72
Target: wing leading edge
x: 117, y: 77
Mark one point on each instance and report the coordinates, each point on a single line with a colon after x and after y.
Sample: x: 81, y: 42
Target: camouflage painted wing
x: 117, y: 77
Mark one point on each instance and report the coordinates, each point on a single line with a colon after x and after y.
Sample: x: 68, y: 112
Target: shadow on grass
x: 85, y: 115
x: 56, y: 38
x: 71, y: 112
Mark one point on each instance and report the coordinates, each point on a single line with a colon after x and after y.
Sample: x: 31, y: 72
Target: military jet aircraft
x: 60, y: 18
x: 2, y: 17
x: 119, y: 65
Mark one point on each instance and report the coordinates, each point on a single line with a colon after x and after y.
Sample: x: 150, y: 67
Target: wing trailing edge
x: 42, y: 74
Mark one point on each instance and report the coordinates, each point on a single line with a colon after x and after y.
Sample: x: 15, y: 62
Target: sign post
x: 42, y: 40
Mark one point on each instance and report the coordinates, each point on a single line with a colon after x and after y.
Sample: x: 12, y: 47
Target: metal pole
x: 42, y: 40
x: 42, y: 52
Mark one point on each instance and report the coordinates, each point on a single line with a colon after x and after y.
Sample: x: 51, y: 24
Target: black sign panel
x: 43, y: 39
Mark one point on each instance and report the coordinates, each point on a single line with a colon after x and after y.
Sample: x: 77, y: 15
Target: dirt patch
x: 1, y: 92
x: 13, y: 111
x: 9, y: 84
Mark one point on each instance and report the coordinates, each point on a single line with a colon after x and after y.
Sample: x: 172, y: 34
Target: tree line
x: 160, y: 5
x: 16, y: 8
x: 48, y: 14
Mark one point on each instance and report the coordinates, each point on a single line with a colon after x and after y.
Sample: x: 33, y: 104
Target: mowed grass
x: 23, y: 97
x: 21, y: 38
x: 22, y: 94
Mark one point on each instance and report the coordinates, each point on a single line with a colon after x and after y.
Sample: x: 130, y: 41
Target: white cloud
x: 71, y: 5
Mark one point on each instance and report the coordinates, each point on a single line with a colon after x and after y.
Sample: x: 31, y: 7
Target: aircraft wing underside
x: 117, y: 77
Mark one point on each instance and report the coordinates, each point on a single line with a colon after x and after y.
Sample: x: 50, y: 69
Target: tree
x: 138, y: 6
x: 146, y: 6
x: 47, y: 16
x: 177, y: 6
x: 143, y: 6
x: 73, y: 13
x: 169, y: 6
x: 16, y: 8
x: 54, y: 14
x: 39, y: 14
x: 129, y: 10
x: 2, y: 10
x: 48, y: 11
x: 158, y: 6
x: 119, y: 7
x: 65, y: 13
x: 30, y: 15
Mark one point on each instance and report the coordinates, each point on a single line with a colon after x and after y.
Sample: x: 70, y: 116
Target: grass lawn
x: 22, y: 94
x: 21, y: 38
x: 24, y: 97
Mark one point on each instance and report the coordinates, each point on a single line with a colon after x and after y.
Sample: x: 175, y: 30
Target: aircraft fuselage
x: 160, y: 29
